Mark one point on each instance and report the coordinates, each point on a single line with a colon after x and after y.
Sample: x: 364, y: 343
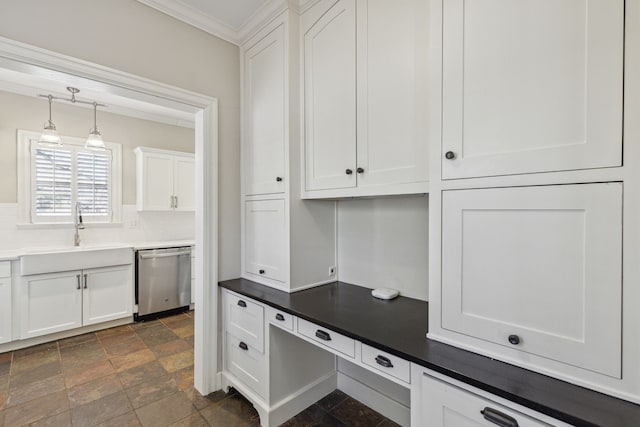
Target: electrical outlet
x: 332, y: 270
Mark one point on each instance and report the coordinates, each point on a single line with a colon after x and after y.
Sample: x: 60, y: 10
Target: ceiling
x: 232, y: 13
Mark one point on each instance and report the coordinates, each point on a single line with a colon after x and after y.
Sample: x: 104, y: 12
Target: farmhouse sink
x: 50, y: 260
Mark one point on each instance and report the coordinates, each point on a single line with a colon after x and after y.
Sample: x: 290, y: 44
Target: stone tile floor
x: 137, y: 375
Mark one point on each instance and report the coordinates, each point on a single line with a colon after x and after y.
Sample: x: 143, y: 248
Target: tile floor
x: 137, y: 375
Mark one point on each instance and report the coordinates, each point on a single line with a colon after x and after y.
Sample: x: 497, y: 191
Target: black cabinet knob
x: 360, y: 170
x: 243, y: 346
x: 280, y: 317
x: 514, y: 339
x: 242, y: 303
x: 278, y: 179
x: 261, y: 271
x: 348, y: 171
x: 450, y: 155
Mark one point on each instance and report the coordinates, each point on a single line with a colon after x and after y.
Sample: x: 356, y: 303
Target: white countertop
x: 14, y: 254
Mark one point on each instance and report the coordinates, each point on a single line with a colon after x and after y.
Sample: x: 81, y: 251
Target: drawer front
x: 5, y: 269
x: 247, y: 364
x: 387, y: 363
x: 445, y: 405
x: 244, y: 320
x: 280, y: 318
x: 328, y: 338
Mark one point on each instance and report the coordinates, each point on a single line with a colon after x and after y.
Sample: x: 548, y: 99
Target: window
x: 58, y: 178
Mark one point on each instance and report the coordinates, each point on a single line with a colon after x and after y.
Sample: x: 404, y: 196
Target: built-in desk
x: 398, y: 327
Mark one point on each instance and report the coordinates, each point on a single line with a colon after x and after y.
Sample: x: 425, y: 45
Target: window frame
x: 26, y: 201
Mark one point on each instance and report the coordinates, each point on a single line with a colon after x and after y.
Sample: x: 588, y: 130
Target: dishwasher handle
x: 164, y: 254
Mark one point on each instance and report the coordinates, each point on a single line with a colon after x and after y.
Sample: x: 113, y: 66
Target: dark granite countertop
x: 399, y: 327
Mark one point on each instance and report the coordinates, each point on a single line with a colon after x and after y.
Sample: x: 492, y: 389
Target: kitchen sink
x: 50, y: 260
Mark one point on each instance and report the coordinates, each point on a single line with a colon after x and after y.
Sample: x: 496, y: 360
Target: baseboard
x: 388, y: 407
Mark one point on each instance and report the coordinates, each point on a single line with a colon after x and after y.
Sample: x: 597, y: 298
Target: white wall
x: 383, y: 243
x: 129, y: 36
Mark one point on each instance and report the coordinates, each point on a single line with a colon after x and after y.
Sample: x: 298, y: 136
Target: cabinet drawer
x: 387, y: 363
x: 247, y: 364
x: 328, y: 338
x: 244, y: 320
x: 537, y: 270
x: 445, y: 405
x: 280, y: 318
x: 5, y: 269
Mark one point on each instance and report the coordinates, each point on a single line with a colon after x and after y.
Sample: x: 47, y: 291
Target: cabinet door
x: 330, y: 99
x: 157, y: 182
x: 107, y: 294
x: 5, y: 309
x: 184, y: 184
x: 531, y: 86
x: 50, y: 303
x: 538, y: 269
x: 265, y: 115
x: 444, y: 405
x: 392, y: 92
x: 265, y: 236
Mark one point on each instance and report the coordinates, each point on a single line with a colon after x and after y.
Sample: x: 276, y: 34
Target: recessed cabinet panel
x: 265, y: 116
x: 392, y: 92
x: 185, y: 184
x: 158, y: 182
x: 5, y: 308
x: 50, y: 303
x: 537, y: 269
x: 107, y: 294
x: 265, y: 236
x: 330, y: 99
x: 531, y: 86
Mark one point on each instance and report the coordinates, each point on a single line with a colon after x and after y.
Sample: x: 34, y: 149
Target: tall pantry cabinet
x: 287, y: 243
x: 532, y: 247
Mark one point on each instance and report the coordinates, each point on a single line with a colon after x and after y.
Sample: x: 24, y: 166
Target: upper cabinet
x: 265, y: 118
x: 531, y: 86
x: 165, y: 180
x: 362, y: 135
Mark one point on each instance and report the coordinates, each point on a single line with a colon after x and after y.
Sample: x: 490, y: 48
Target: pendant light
x: 94, y: 141
x: 49, y: 136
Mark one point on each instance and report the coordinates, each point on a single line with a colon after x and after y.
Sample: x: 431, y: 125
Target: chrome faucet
x: 78, y: 224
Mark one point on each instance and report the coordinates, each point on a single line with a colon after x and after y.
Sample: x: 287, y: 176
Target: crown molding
x: 237, y: 36
x: 195, y: 18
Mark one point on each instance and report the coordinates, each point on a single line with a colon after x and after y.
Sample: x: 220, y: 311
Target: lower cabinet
x: 5, y: 302
x: 61, y: 301
x: 441, y: 404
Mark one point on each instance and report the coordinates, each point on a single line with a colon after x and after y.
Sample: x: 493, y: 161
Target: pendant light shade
x: 94, y: 141
x: 49, y: 136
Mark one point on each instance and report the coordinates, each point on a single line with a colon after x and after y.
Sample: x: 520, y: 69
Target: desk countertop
x: 399, y: 327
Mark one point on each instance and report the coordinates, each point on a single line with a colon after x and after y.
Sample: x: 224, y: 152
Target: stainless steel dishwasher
x: 163, y: 281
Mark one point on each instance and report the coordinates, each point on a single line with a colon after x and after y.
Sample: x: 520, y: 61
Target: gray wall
x: 131, y: 37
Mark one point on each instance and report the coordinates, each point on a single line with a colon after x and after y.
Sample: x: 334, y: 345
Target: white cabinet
x: 286, y: 243
x: 106, y: 294
x: 265, y: 246
x: 265, y: 114
x: 531, y: 86
x: 365, y: 96
x: 538, y: 269
x: 61, y: 301
x: 165, y: 180
x: 441, y: 404
x: 5, y: 302
x: 330, y: 99
x: 50, y: 303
